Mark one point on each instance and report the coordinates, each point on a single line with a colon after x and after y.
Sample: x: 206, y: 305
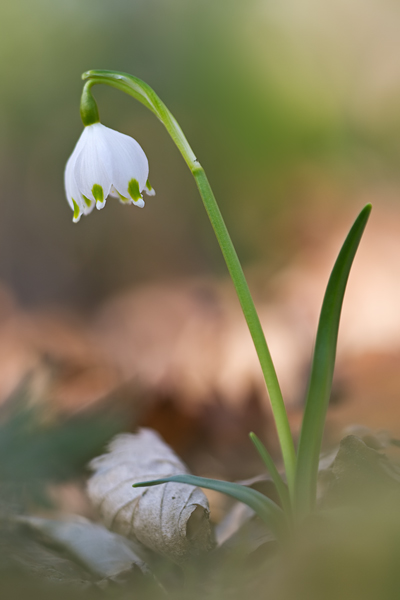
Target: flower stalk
x: 144, y: 94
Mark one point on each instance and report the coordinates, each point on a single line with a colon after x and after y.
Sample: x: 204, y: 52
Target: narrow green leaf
x: 264, y: 507
x: 320, y: 383
x: 280, y: 485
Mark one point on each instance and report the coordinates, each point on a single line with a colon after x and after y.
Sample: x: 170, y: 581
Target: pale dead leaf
x: 238, y: 515
x: 103, y: 553
x: 242, y: 531
x: 171, y: 519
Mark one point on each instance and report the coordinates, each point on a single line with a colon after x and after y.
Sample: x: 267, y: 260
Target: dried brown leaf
x: 171, y: 519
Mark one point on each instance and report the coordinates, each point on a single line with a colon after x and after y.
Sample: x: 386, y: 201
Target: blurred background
x: 292, y: 107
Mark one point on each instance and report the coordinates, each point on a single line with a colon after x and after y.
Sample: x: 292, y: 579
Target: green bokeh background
x: 291, y: 107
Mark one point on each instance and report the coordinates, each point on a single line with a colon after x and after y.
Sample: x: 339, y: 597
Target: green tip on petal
x: 87, y: 201
x: 149, y: 189
x: 133, y: 189
x: 120, y: 196
x: 77, y: 212
x: 98, y: 193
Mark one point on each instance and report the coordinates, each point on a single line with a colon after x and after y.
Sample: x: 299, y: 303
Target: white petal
x: 139, y: 203
x: 71, y: 187
x: 113, y: 192
x: 100, y: 205
x: 128, y: 161
x: 93, y: 163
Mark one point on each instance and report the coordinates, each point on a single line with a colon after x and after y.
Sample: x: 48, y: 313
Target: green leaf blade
x: 280, y: 485
x: 263, y: 506
x: 320, y: 383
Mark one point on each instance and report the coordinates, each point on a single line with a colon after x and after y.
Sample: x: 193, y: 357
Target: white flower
x: 105, y: 162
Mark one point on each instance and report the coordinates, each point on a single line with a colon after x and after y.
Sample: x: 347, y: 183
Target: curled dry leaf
x: 171, y: 519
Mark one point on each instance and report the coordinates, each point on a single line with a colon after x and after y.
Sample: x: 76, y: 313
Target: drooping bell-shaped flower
x: 104, y: 162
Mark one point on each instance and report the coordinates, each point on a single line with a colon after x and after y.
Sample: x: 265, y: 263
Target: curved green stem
x: 144, y: 94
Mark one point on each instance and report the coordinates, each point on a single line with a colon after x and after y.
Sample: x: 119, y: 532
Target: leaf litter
x: 172, y: 519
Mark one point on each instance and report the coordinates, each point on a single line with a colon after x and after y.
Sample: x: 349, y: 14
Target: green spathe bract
x: 298, y: 496
x: 89, y: 110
